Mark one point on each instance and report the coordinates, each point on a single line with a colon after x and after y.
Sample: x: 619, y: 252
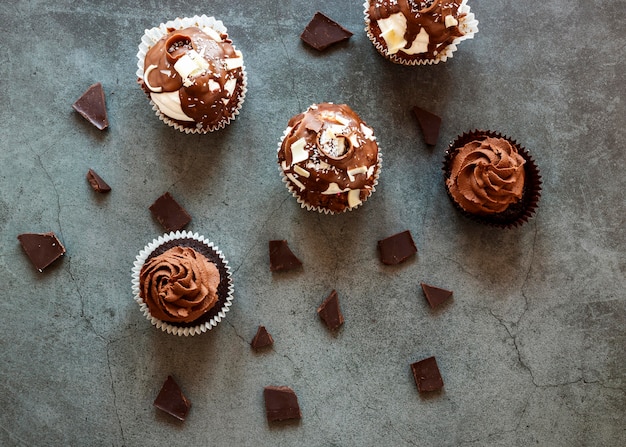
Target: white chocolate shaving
x: 233, y: 62
x: 420, y: 44
x: 392, y: 30
x: 296, y: 182
x: 450, y: 21
x: 352, y: 172
x: 354, y: 139
x: 333, y: 188
x: 354, y: 198
x: 213, y: 85
x: 230, y: 86
x: 367, y: 132
x: 298, y: 151
x: 145, y: 80
x: 212, y: 34
x: 301, y: 171
x: 169, y: 104
x: 185, y: 66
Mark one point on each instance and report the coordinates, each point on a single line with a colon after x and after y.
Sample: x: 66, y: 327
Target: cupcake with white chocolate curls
x: 329, y: 158
x: 192, y: 73
x: 492, y: 179
x: 418, y: 32
x: 182, y: 283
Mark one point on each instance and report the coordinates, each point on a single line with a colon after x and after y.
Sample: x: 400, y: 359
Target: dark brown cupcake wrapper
x: 517, y: 213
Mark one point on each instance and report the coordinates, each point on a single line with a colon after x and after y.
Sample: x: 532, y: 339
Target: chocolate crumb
x: 262, y: 339
x: 96, y: 182
x: 435, y: 295
x: 330, y: 312
x: 429, y: 123
x: 427, y: 376
x: 281, y: 256
x: 172, y: 400
x: 322, y: 32
x: 397, y: 248
x: 169, y: 213
x: 41, y: 248
x: 92, y: 106
x: 281, y: 403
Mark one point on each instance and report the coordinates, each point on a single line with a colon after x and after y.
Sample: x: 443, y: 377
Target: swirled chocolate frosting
x: 330, y: 157
x: 415, y: 29
x: 194, y: 76
x: 486, y: 176
x: 179, y: 285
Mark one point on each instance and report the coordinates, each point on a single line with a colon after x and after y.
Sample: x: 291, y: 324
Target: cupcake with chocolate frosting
x: 418, y: 32
x: 492, y: 179
x: 192, y: 73
x: 329, y: 158
x: 182, y: 283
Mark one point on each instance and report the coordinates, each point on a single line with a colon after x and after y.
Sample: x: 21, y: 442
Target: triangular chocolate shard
x: 281, y: 403
x: 429, y: 123
x: 92, y: 106
x: 322, y: 32
x: 281, y: 257
x: 435, y: 295
x: 96, y: 182
x: 41, y: 249
x: 262, y: 339
x: 172, y: 400
x: 330, y: 312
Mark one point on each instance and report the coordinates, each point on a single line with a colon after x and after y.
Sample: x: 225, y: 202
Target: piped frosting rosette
x: 193, y: 74
x: 329, y: 159
x: 492, y: 179
x: 418, y: 32
x: 182, y: 283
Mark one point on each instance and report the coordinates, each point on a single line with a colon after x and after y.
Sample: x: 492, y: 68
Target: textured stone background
x: 531, y: 348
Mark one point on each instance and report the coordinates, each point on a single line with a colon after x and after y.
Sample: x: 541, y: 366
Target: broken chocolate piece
x: 330, y: 312
x: 322, y: 32
x: 426, y: 375
x: 262, y: 339
x: 281, y: 403
x: 92, y: 106
x: 281, y: 257
x: 397, y: 248
x: 96, y: 182
x: 169, y: 213
x: 435, y: 295
x: 429, y: 123
x: 172, y: 400
x: 41, y: 248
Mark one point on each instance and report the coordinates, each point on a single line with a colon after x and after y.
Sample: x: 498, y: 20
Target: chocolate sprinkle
x: 169, y: 213
x: 262, y: 339
x: 42, y: 249
x: 330, y: 312
x: 429, y: 123
x: 397, y: 248
x: 427, y: 376
x: 91, y: 105
x: 281, y: 256
x: 281, y: 403
x: 172, y: 400
x: 435, y: 295
x: 322, y: 32
x: 96, y: 182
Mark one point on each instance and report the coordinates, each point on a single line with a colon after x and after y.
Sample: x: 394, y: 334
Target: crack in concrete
x: 117, y: 414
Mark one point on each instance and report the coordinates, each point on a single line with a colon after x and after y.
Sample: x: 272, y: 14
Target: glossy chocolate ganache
x: 330, y: 157
x: 195, y: 77
x: 414, y: 29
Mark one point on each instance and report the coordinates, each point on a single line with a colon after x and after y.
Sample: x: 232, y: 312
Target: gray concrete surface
x: 531, y: 348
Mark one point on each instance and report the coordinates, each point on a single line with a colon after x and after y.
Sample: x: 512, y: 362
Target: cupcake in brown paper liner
x: 182, y: 283
x: 418, y: 32
x: 329, y: 158
x: 492, y: 179
x: 192, y: 73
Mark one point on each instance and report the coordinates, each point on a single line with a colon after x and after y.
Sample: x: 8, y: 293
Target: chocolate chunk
x: 262, y: 339
x: 397, y: 248
x: 281, y: 257
x: 42, y: 249
x: 96, y: 182
x: 92, y: 106
x: 322, y: 32
x: 172, y: 400
x: 426, y: 375
x: 330, y: 312
x: 429, y: 123
x: 281, y: 403
x: 169, y: 213
x: 435, y: 295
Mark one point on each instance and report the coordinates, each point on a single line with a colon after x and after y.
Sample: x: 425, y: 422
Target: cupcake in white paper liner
x: 193, y: 75
x: 182, y: 283
x: 329, y: 159
x: 418, y: 32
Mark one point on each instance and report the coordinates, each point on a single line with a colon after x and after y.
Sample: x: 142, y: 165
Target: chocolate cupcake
x: 192, y: 73
x: 418, y: 32
x: 182, y: 283
x: 329, y: 158
x: 492, y: 179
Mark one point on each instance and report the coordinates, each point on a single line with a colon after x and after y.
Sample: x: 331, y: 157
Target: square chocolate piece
x: 330, y: 312
x: 281, y: 403
x: 322, y: 32
x: 426, y: 375
x: 281, y: 256
x: 429, y: 123
x: 435, y: 295
x: 397, y: 248
x: 172, y: 400
x: 41, y: 248
x: 169, y: 213
x: 262, y: 339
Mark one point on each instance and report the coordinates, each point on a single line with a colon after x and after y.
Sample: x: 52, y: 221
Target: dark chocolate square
x: 41, y: 248
x: 281, y: 403
x: 322, y: 32
x: 429, y: 123
x: 426, y: 375
x: 281, y: 256
x: 330, y: 312
x: 169, y: 213
x: 397, y: 248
